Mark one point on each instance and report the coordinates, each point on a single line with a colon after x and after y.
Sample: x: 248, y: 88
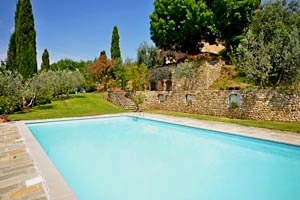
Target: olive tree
x: 270, y: 53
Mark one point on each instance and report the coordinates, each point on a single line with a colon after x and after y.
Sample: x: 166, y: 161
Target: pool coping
x: 58, y: 189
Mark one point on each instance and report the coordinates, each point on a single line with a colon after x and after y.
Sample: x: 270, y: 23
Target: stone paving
x: 19, y: 177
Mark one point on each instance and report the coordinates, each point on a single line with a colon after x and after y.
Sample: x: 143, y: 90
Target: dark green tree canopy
x: 68, y: 64
x: 11, y: 54
x: 115, y: 46
x: 25, y: 39
x: 45, y: 66
x: 183, y: 24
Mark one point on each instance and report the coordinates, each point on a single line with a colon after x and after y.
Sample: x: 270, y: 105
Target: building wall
x: 255, y: 105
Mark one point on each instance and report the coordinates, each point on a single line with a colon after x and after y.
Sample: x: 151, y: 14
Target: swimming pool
x: 134, y: 158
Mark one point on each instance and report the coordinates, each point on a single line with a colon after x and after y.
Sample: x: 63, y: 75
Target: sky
x: 80, y: 29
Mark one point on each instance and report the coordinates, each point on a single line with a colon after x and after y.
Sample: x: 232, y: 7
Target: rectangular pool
x: 138, y: 159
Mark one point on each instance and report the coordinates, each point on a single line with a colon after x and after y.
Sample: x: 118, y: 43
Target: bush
x: 10, y: 96
x: 42, y: 87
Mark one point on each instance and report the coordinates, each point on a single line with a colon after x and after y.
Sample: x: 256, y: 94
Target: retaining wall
x: 255, y: 105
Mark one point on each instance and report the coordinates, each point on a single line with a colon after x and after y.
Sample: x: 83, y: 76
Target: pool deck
x: 27, y: 173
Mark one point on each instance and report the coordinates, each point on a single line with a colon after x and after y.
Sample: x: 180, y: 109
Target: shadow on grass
x: 78, y: 97
x: 45, y: 107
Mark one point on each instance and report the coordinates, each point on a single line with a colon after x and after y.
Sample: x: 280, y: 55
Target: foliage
x: 11, y: 54
x: 25, y: 39
x: 121, y: 74
x: 231, y: 18
x: 115, y: 47
x: 182, y: 25
x: 138, y: 76
x: 45, y: 66
x: 234, y: 105
x: 254, y: 59
x: 138, y: 99
x: 147, y: 54
x: 78, y: 105
x: 89, y: 83
x: 101, y: 69
x: 188, y: 71
x: 42, y: 87
x: 52, y: 84
x: 270, y: 53
x: 69, y: 64
x: 10, y: 95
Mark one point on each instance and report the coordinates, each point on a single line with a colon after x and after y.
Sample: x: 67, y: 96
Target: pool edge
x: 57, y: 188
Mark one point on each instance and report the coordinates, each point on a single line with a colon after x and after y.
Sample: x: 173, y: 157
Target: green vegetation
x: 11, y: 54
x: 77, y: 105
x: 42, y: 88
x: 230, y: 79
x: 269, y: 55
x: 182, y: 25
x: 147, y: 54
x: 115, y: 46
x: 45, y: 66
x: 282, y: 126
x: 25, y: 40
x: 68, y: 64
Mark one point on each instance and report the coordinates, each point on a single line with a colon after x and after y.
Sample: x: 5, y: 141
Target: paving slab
x: 17, y: 167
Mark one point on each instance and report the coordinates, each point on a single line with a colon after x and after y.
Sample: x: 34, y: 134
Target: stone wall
x: 208, y: 72
x: 255, y: 105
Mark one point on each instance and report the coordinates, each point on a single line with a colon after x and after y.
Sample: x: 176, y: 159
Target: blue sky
x: 80, y: 29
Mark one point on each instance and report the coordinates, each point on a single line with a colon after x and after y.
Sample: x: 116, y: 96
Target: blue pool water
x: 136, y: 159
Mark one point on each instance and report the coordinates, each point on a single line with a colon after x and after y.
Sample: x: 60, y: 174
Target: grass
x: 282, y: 126
x: 93, y: 104
x: 230, y: 79
x: 76, y: 106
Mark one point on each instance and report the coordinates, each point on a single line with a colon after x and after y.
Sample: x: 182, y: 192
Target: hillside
x: 230, y: 80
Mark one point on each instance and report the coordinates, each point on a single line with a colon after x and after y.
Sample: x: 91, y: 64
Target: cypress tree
x: 115, y: 48
x: 25, y: 39
x: 11, y: 54
x: 45, y: 66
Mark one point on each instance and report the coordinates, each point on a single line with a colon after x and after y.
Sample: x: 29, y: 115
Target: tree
x: 101, y: 69
x: 45, y: 66
x: 121, y: 74
x: 231, y: 18
x: 183, y: 24
x: 11, y: 54
x: 180, y: 25
x: 11, y: 85
x: 254, y: 59
x: 138, y: 76
x: 270, y: 54
x: 147, y: 54
x: 115, y: 48
x: 69, y: 64
x: 25, y: 39
x: 188, y: 71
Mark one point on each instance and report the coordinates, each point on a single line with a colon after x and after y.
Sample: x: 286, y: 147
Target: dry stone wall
x: 255, y: 105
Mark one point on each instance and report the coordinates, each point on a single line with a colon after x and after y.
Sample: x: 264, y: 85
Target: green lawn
x: 93, y: 104
x: 283, y: 126
x: 76, y: 106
